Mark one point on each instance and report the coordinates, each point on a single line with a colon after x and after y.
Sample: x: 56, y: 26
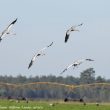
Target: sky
x: 42, y: 22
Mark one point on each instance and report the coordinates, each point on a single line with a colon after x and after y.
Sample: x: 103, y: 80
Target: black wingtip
x: 63, y: 71
x: 81, y: 24
x: 29, y: 67
x: 30, y: 64
x: 50, y: 44
x: 14, y: 21
x: 66, y: 38
x: 89, y: 59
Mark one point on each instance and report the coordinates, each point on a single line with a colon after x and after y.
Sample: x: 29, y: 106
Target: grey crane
x: 73, y: 28
x: 7, y: 30
x: 39, y: 53
x: 75, y: 64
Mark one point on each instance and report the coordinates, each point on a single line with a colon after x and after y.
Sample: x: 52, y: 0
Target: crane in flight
x: 76, y: 64
x: 73, y: 28
x: 39, y: 53
x: 7, y: 30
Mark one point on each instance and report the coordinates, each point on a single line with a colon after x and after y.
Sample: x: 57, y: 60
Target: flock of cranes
x: 75, y: 64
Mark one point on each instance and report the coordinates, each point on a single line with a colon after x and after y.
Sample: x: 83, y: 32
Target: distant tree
x: 87, y: 76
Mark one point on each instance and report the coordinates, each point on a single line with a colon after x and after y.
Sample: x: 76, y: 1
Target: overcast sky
x: 42, y: 21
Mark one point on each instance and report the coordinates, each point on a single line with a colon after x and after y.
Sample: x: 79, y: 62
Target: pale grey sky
x: 41, y: 22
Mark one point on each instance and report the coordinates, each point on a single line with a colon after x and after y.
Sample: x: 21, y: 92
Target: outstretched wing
x: 11, y: 24
x: 66, y: 68
x: 50, y: 44
x: 45, y: 48
x: 33, y: 59
x: 77, y: 25
x: 63, y: 71
x: 89, y: 59
x: 80, y: 24
x: 6, y: 31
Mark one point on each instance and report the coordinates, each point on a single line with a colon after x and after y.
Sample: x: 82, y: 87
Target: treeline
x: 45, y: 91
x: 87, y: 76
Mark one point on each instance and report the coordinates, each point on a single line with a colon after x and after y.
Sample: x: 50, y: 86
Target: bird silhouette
x: 39, y: 53
x: 68, y: 32
x: 7, y: 30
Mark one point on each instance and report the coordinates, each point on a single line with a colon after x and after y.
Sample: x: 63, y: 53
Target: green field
x: 46, y: 105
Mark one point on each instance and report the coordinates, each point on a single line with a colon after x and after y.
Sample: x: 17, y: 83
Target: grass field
x: 46, y: 105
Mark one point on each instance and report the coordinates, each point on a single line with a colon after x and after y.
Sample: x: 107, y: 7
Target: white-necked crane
x: 39, y: 53
x: 7, y: 30
x: 75, y: 64
x: 73, y: 28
